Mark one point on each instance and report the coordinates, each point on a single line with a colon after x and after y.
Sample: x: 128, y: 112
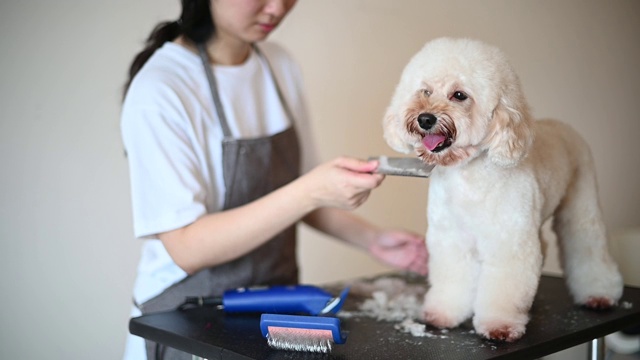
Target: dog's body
x: 501, y: 176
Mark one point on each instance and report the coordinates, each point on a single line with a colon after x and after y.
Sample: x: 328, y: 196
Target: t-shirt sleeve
x: 167, y: 187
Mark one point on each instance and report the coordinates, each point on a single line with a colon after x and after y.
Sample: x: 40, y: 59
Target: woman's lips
x: 267, y: 27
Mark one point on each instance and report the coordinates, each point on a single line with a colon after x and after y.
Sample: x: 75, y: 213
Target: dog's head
x: 459, y: 98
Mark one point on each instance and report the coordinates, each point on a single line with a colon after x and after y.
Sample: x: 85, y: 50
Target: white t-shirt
x: 173, y: 141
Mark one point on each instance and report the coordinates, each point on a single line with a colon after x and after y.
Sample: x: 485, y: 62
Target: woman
x: 215, y: 129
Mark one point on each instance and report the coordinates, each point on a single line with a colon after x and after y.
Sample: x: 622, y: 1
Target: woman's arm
x: 397, y: 248
x: 220, y: 237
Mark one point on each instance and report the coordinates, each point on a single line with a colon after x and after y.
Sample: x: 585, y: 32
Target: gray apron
x: 252, y: 168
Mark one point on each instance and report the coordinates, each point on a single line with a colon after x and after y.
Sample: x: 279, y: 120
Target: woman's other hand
x: 401, y: 249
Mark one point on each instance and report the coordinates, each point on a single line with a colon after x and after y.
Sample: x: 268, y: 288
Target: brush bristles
x: 292, y: 339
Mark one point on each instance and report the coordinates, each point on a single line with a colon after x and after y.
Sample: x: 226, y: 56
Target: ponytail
x: 195, y: 23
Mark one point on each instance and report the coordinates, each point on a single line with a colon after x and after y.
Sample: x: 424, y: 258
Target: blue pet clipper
x: 298, y: 299
x: 295, y: 299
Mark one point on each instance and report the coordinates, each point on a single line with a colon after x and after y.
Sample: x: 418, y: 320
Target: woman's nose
x: 277, y: 8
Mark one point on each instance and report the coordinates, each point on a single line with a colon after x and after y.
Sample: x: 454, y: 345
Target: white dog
x: 500, y: 176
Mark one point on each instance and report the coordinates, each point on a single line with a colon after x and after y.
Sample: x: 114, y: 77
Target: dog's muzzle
x: 434, y: 141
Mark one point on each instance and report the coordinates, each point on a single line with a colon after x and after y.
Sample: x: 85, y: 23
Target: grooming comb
x: 402, y: 166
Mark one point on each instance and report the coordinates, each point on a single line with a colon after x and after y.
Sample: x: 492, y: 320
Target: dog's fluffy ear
x: 510, y: 131
x: 394, y: 129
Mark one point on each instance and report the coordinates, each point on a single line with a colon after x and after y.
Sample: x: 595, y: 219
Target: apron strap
x: 213, y: 85
x: 272, y: 74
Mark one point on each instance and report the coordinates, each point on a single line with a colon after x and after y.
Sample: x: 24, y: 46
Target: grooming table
x: 556, y: 324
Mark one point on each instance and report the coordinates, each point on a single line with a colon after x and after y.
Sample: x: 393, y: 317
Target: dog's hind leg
x: 591, y: 274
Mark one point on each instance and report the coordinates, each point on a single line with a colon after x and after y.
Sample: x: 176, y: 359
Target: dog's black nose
x: 427, y: 120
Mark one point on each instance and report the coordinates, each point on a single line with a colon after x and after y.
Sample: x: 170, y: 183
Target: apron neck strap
x: 283, y: 101
x: 213, y: 86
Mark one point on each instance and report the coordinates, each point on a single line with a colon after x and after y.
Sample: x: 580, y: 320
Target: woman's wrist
x: 303, y: 192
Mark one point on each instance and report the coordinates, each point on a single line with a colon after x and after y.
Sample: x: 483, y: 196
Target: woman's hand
x: 343, y: 183
x: 401, y: 249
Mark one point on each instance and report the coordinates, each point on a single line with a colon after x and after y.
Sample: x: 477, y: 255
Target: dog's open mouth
x: 436, y: 142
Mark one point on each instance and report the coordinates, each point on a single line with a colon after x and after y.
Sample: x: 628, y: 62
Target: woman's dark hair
x: 195, y: 23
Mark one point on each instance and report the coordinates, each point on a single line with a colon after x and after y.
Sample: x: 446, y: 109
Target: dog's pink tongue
x: 432, y: 141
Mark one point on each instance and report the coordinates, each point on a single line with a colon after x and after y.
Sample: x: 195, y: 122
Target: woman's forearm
x: 343, y: 225
x: 396, y: 248
x: 214, y: 239
x: 224, y: 236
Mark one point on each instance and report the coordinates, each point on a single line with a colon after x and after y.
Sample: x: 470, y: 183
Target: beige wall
x: 68, y: 258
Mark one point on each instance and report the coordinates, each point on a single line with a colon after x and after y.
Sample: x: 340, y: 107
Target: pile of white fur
x: 394, y: 300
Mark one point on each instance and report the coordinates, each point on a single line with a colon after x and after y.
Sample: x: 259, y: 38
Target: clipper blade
x: 301, y: 333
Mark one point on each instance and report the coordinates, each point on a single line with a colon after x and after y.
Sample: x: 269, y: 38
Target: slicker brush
x: 301, y: 333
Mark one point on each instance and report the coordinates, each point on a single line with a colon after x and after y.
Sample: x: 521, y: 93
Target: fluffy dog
x: 499, y: 176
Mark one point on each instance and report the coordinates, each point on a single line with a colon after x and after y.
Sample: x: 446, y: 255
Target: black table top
x: 556, y: 324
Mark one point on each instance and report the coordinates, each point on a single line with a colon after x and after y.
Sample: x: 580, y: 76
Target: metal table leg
x: 596, y: 349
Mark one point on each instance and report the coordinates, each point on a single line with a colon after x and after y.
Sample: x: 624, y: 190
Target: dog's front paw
x: 444, y: 315
x: 505, y: 332
x: 439, y: 319
x: 501, y: 329
x: 599, y: 303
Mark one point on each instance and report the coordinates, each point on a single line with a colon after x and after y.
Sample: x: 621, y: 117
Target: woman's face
x: 248, y: 20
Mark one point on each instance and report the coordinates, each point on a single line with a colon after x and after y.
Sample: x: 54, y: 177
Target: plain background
x: 68, y: 258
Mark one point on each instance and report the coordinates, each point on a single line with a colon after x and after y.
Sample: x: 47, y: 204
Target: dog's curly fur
x: 500, y: 176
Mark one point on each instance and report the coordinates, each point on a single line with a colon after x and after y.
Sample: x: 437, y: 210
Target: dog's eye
x: 426, y: 92
x: 459, y: 95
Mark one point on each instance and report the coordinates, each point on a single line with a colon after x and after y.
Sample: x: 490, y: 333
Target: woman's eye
x: 460, y: 96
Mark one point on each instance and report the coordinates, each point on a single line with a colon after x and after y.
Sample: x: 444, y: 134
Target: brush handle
x: 298, y: 299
